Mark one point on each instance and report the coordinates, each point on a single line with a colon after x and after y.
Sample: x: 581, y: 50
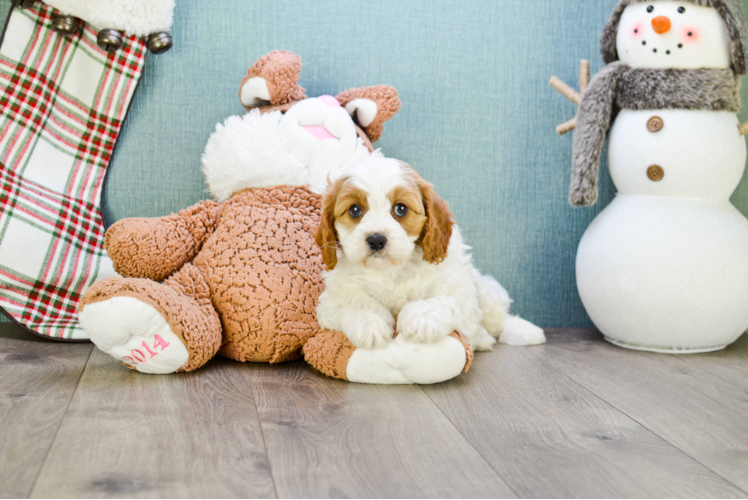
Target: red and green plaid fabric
x: 63, y: 101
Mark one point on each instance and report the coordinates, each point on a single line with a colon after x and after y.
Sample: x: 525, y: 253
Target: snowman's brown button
x: 655, y: 173
x: 655, y: 124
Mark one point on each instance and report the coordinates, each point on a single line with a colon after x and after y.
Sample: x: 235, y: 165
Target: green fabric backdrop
x: 478, y: 116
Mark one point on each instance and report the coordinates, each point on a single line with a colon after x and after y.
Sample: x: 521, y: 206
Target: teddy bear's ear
x: 272, y: 80
x: 370, y: 107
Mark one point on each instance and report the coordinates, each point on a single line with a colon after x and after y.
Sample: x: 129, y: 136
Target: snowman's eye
x: 650, y: 9
x: 682, y: 10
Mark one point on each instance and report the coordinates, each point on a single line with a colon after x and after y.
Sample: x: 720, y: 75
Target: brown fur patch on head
x: 409, y: 195
x: 337, y: 202
x: 348, y: 196
x: 437, y: 230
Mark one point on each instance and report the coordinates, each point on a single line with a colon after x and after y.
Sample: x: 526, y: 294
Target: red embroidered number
x: 136, y: 355
x: 160, y: 342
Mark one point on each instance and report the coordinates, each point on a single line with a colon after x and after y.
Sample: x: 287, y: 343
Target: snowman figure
x: 665, y: 266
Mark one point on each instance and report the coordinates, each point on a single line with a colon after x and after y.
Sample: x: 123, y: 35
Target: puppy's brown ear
x: 438, y: 229
x: 327, y: 237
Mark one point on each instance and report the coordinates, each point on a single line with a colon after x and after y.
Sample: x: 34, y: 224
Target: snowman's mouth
x: 656, y: 50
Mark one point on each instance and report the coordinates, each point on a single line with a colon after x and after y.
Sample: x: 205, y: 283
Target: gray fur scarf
x: 617, y: 86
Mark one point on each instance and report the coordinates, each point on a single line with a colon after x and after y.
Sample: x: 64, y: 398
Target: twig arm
x: 567, y: 127
x: 573, y: 95
x: 565, y: 90
x: 584, y: 76
x: 743, y: 128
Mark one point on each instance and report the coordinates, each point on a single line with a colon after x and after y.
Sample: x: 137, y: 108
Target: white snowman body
x: 665, y: 266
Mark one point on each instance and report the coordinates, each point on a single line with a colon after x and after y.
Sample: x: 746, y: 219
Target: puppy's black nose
x: 376, y: 242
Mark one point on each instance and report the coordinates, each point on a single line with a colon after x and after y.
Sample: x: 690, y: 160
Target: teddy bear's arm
x: 155, y: 248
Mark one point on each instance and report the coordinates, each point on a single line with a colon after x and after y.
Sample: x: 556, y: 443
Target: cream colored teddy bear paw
x: 135, y: 333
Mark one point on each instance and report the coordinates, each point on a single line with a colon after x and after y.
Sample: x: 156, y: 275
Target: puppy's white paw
x: 369, y: 330
x: 426, y: 321
x: 520, y: 332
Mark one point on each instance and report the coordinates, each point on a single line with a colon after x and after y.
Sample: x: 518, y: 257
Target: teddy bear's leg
x: 152, y: 327
x: 401, y: 362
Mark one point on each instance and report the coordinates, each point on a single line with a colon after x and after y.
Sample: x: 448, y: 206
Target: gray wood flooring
x: 574, y: 418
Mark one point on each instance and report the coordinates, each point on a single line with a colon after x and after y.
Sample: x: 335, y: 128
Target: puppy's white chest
x: 394, y: 292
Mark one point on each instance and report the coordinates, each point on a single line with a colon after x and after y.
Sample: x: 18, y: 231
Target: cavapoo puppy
x: 397, y: 264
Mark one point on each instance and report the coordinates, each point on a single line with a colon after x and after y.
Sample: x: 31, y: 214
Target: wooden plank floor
x: 575, y: 418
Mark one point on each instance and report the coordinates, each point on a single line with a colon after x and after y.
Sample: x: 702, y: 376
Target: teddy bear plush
x: 241, y: 276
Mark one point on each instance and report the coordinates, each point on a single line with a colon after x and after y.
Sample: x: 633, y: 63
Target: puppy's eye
x: 650, y: 9
x: 682, y: 10
x: 401, y: 210
x: 355, y: 211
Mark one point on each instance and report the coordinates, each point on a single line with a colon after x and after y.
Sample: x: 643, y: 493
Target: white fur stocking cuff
x: 134, y: 17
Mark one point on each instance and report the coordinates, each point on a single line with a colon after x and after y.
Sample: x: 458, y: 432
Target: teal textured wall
x: 478, y: 116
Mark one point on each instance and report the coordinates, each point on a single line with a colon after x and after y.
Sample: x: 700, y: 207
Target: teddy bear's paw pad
x: 403, y: 362
x: 520, y: 332
x: 135, y: 333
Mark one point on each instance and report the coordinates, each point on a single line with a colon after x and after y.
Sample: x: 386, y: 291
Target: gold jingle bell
x: 109, y: 40
x: 66, y: 25
x: 159, y: 43
x: 22, y: 4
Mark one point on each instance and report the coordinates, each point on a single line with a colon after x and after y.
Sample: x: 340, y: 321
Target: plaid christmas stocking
x: 63, y: 101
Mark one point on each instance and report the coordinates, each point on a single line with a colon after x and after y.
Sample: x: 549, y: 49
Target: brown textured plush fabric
x: 329, y: 353
x: 184, y: 303
x: 263, y: 268
x: 253, y: 287
x: 468, y: 351
x: 158, y: 247
x: 281, y: 70
x: 388, y: 103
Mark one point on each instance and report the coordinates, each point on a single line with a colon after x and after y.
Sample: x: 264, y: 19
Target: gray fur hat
x: 731, y: 11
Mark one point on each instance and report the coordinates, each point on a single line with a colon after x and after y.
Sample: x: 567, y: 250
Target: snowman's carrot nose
x: 661, y: 24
